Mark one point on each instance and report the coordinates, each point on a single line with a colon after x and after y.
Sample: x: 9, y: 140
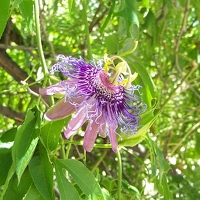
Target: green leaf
x: 106, y: 195
x: 111, y: 44
x: 197, y: 142
x: 50, y: 134
x: 163, y: 188
x: 6, y: 161
x: 159, y: 162
x: 26, y: 8
x: 151, y: 26
x: 163, y: 164
x: 70, y: 3
x: 17, y: 190
x: 136, y: 138
x: 15, y: 3
x: 42, y: 172
x: 25, y: 142
x: 6, y: 143
x: 129, y: 47
x: 129, y: 15
x: 166, y: 191
x: 83, y: 177
x: 108, y: 17
x: 33, y: 194
x: 146, y: 81
x: 8, y: 136
x: 141, y: 133
x: 66, y: 189
x: 4, y: 10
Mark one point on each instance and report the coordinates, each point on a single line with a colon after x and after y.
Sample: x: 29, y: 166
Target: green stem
x: 87, y: 32
x: 100, y: 160
x: 69, y: 147
x: 38, y: 36
x: 119, y: 173
x: 40, y: 50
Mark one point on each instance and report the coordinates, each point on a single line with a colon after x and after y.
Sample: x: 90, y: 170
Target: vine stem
x: 38, y: 36
x: 119, y: 160
x: 39, y: 46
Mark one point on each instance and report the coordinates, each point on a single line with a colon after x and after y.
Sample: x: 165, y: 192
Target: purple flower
x: 102, y: 96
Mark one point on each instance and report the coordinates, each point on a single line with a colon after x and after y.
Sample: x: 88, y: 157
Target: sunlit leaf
x: 26, y: 8
x: 129, y: 14
x: 14, y: 4
x: 25, y: 142
x: 70, y: 2
x: 51, y: 133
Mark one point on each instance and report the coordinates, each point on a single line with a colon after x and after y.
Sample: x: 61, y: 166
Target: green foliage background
x: 162, y: 161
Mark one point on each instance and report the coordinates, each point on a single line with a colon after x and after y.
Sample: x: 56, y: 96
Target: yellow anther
x: 107, y: 63
x: 121, y: 72
x: 134, y: 76
x: 106, y: 67
x: 123, y: 82
x: 121, y: 67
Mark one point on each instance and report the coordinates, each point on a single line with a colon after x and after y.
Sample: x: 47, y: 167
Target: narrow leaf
x: 83, y: 177
x: 42, y: 172
x: 66, y: 189
x: 25, y: 142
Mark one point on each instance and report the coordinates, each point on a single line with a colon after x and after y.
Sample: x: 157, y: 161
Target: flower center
x: 106, y: 91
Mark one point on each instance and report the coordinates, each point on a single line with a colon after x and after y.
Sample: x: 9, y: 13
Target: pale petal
x: 102, y: 126
x: 102, y: 131
x: 90, y: 136
x: 59, y: 88
x: 113, y: 137
x: 75, y: 123
x: 60, y: 110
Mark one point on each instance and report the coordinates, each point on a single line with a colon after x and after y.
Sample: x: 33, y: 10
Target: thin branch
x: 181, y: 32
x: 184, y: 138
x: 96, y: 20
x: 46, y: 35
x: 8, y: 112
x: 15, y: 71
x: 163, y: 9
x: 19, y: 47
